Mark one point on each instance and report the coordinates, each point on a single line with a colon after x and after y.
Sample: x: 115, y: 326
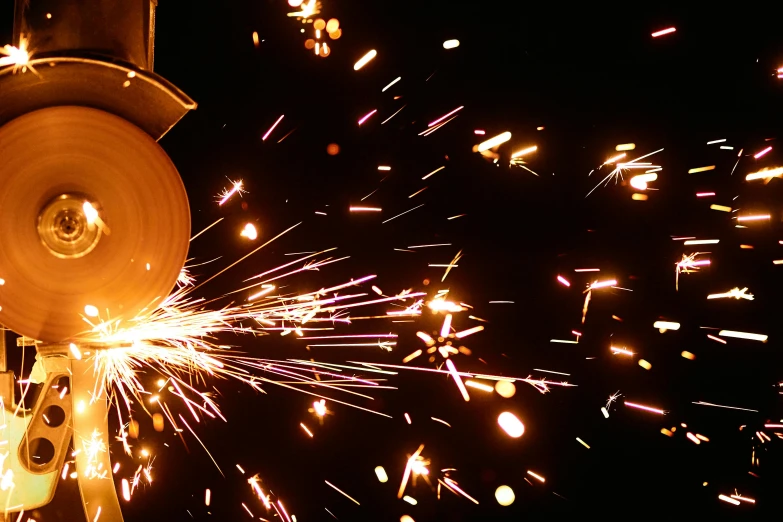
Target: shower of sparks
x: 18, y: 57
x: 617, y: 173
x: 308, y: 9
x: 236, y: 188
x: 180, y: 339
x: 687, y: 265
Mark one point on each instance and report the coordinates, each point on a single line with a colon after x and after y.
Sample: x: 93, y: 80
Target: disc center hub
x: 65, y: 229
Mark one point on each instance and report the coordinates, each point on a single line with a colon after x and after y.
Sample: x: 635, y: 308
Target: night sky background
x: 593, y: 78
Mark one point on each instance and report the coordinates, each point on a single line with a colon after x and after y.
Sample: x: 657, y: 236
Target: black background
x: 593, y: 77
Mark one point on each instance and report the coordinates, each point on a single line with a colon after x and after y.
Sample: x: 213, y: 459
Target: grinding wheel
x: 56, y: 265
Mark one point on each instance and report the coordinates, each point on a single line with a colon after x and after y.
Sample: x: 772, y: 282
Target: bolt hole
x: 54, y: 416
x: 64, y: 383
x: 41, y: 451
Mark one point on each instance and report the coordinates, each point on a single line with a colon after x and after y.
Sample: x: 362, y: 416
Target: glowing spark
x: 414, y: 461
x: 433, y: 172
x: 736, y: 293
x: 721, y: 208
x: 91, y: 311
x: 402, y: 214
x: 412, y: 356
x: 763, y: 152
x: 643, y: 407
x: 506, y: 389
x: 320, y: 408
x: 704, y: 194
x: 511, y: 424
x: 393, y: 115
x: 446, y: 328
x: 765, y: 174
x: 563, y: 280
x: 454, y: 488
x: 392, y: 83
x: 702, y: 242
x: 77, y: 354
x: 445, y: 116
x: 523, y: 152
x: 644, y: 364
x: 451, y: 265
x: 469, y: 331
x: 365, y: 209
x: 701, y: 169
x: 126, y: 490
x: 410, y: 500
x: 441, y: 421
x: 417, y: 192
x: 504, y: 495
x: 536, y: 476
x: 366, y: 116
x: 364, y: 60
x: 583, y: 443
x: 451, y: 44
x: 457, y: 379
x: 603, y: 284
x: 381, y: 474
x: 236, y: 188
x: 701, y: 403
x: 384, y: 167
x: 494, y: 142
x: 729, y: 500
x: 662, y: 32
x: 759, y: 217
x: 688, y: 355
x: 614, y: 159
x: 310, y: 433
x: 743, y: 335
x: 407, y: 418
x: 479, y: 386
x: 249, y: 232
x: 640, y: 182
x: 272, y: 127
x: 623, y: 351
x: 625, y: 146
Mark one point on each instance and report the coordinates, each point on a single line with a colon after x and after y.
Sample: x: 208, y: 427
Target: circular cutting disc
x: 141, y: 201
